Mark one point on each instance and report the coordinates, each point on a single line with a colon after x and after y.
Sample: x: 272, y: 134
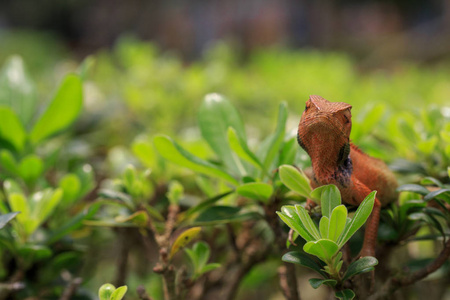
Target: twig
x: 394, y: 283
x: 142, y: 293
x: 122, y: 258
x: 71, y: 288
x: 288, y: 281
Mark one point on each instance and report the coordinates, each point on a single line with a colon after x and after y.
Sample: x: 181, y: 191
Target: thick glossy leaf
x: 324, y: 227
x: 362, y: 265
x: 329, y: 196
x: 431, y: 181
x: 105, y: 291
x: 8, y: 162
x: 216, y: 115
x: 19, y: 203
x: 119, y: 293
x: 443, y: 194
x: 34, y: 253
x: 17, y: 91
x: 415, y: 188
x: 4, y: 219
x: 145, y: 152
x: 174, y: 153
x: 209, y: 267
x: 71, y: 186
x: 256, y: 190
x: 11, y: 129
x: 140, y: 218
x: 345, y: 294
x: 30, y: 168
x: 115, y: 195
x: 183, y: 239
x: 317, y: 282
x: 277, y: 139
x: 241, y: 149
x: 359, y: 218
x: 302, y: 259
x: 62, y: 111
x: 295, y: 180
x: 205, y: 204
x: 323, y: 249
x: 202, y: 252
x: 307, y: 221
x: 289, y: 216
x: 224, y: 214
x: 74, y: 223
x: 337, y: 222
x: 44, y: 203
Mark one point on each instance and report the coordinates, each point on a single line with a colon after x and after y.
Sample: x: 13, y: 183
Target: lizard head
x: 325, y: 125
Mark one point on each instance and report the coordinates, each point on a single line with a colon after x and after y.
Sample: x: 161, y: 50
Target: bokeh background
x: 151, y: 62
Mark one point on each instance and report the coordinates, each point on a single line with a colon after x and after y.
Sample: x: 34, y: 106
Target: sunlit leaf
x: 359, y: 218
x: 323, y: 249
x: 105, y: 291
x: 174, y: 153
x: 362, y: 265
x: 62, y: 110
x: 119, y: 293
x: 295, y: 180
x: 256, y: 190
x: 337, y: 222
x: 11, y: 128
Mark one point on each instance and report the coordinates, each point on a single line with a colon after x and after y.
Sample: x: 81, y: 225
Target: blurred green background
x: 150, y: 63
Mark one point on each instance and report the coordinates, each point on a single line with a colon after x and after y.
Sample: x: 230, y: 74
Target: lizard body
x: 324, y: 133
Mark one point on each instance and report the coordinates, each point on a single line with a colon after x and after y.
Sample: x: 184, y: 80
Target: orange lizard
x: 324, y: 133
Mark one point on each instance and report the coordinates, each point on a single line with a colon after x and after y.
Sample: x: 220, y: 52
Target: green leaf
x: 202, y: 252
x: 278, y: 137
x: 30, y: 168
x: 8, y: 163
x: 359, y: 218
x: 296, y: 257
x: 295, y: 180
x: 4, y: 219
x: 19, y: 203
x: 345, y: 294
x: 289, y: 152
x: 224, y: 214
x: 289, y: 216
x: 71, y: 186
x: 205, y: 204
x: 323, y: 249
x: 183, y: 239
x: 174, y: 153
x: 144, y: 151
x: 11, y: 129
x: 175, y: 192
x: 140, y: 218
x: 415, y: 188
x: 329, y: 196
x: 62, y: 111
x: 209, y: 267
x: 105, y: 291
x: 362, y: 265
x: 337, y: 222
x: 119, y: 293
x: 17, y: 91
x: 216, y: 115
x: 307, y: 221
x: 256, y: 190
x: 443, y: 194
x: 324, y: 227
x: 34, y: 253
x: 431, y: 181
x: 317, y: 282
x: 241, y: 149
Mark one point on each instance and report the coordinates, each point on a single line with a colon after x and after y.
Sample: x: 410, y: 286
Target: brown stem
x: 142, y: 293
x: 71, y: 288
x: 288, y: 281
x: 122, y: 258
x: 394, y: 283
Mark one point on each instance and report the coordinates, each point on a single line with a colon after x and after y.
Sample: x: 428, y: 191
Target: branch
x: 394, y: 283
x: 71, y: 289
x: 142, y: 293
x: 288, y: 281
